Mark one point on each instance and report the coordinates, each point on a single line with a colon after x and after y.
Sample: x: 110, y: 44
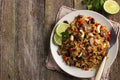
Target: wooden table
x: 25, y: 27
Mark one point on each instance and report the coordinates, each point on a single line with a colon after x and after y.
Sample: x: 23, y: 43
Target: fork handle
x: 99, y: 73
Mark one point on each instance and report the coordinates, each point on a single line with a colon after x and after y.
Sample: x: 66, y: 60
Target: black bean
x: 66, y: 22
x: 92, y: 20
x: 79, y: 16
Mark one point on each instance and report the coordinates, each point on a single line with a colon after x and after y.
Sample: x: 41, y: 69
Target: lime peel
x: 57, y: 39
x: 61, y: 28
x: 111, y: 7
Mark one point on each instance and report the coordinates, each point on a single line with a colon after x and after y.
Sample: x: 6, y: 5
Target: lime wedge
x: 57, y: 39
x: 111, y: 7
x: 61, y: 28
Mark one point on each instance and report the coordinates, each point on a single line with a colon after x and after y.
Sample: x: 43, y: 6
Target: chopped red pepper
x: 109, y: 33
x: 86, y: 68
x: 90, y: 58
x: 92, y: 30
x: 95, y: 42
x: 80, y: 22
x: 101, y: 48
x: 89, y: 50
x: 89, y: 17
x: 65, y: 58
x: 96, y: 34
x: 107, y: 36
x: 103, y: 54
x: 76, y: 30
x: 71, y: 49
x: 96, y: 24
x: 80, y: 46
x: 101, y: 27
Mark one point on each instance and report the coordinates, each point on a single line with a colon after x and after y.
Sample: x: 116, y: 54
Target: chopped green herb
x: 96, y: 5
x: 65, y: 36
x: 89, y: 7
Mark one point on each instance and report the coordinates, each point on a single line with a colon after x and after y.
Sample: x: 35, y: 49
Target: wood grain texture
x: 51, y: 9
x: 29, y: 49
x: 78, y: 5
x: 50, y: 18
x: 23, y: 57
x: 6, y: 40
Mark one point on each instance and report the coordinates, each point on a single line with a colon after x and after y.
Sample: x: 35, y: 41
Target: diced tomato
x: 101, y: 27
x: 80, y: 46
x: 109, y: 33
x: 71, y: 49
x: 89, y: 17
x: 101, y: 48
x: 96, y: 24
x: 90, y: 58
x: 103, y: 54
x: 89, y: 50
x: 107, y: 36
x: 76, y: 30
x: 80, y: 22
x: 92, y: 30
x: 95, y: 42
x: 86, y: 68
x: 65, y: 58
x: 96, y: 34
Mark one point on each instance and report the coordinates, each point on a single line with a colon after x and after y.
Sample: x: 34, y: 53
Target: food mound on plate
x: 84, y: 43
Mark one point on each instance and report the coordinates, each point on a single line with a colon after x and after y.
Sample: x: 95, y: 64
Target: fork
x: 101, y: 68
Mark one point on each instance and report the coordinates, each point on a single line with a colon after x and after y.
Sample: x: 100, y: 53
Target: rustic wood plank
x: 30, y: 50
x: 6, y: 40
x: 50, y: 12
x: 33, y: 33
x: 0, y: 41
x: 51, y: 9
x: 78, y: 4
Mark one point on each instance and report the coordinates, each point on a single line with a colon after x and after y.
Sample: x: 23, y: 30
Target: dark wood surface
x: 25, y: 27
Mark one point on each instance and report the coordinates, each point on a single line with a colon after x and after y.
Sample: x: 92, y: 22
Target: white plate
x: 77, y: 72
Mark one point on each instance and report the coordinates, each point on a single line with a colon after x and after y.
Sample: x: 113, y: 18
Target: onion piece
x: 80, y: 54
x: 91, y: 34
x: 91, y: 42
